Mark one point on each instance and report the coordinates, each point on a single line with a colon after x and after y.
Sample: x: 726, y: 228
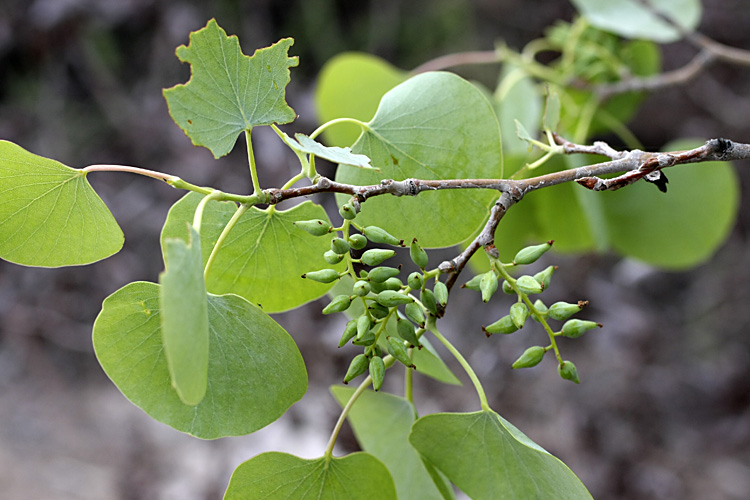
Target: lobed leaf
x: 49, y: 214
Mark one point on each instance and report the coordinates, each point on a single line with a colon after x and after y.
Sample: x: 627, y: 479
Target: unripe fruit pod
x: 338, y: 304
x: 530, y: 357
x: 507, y: 288
x: 375, y: 256
x: 349, y: 332
x: 377, y: 311
x: 473, y: 283
x: 574, y: 328
x: 379, y: 235
x: 382, y: 273
x: 418, y: 255
x: 528, y: 285
x: 340, y: 246
x: 567, y: 370
x: 361, y: 288
x: 529, y: 255
x: 441, y: 293
x: 316, y: 227
x: 503, y: 325
x: 488, y: 285
x: 322, y: 276
x: 377, y: 372
x: 357, y: 367
x: 414, y: 312
x: 415, y: 280
x: 364, y: 323
x: 357, y: 241
x: 347, y: 211
x: 428, y: 300
x: 564, y: 310
x: 519, y: 313
x: 332, y: 257
x: 407, y: 331
x: 540, y: 308
x: 398, y: 351
x: 392, y: 298
x: 545, y: 277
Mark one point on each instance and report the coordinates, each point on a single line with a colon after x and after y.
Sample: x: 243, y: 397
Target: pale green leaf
x: 433, y: 126
x: 255, y: 371
x: 350, y: 86
x: 519, y: 108
x: 280, y: 476
x: 381, y: 423
x: 229, y: 92
x: 264, y: 256
x: 522, y: 133
x: 428, y: 362
x: 551, y: 117
x: 184, y: 318
x: 488, y: 458
x: 305, y: 145
x: 49, y: 214
x: 633, y: 19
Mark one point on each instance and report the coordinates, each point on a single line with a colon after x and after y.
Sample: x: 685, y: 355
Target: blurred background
x: 663, y: 410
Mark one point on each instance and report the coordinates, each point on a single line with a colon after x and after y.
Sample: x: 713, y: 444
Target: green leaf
x: 264, y: 256
x: 632, y: 19
x: 682, y: 227
x: 229, y: 92
x: 184, y: 318
x: 275, y: 475
x: 428, y: 362
x: 381, y: 423
x: 551, y: 117
x: 488, y: 458
x: 49, y: 214
x: 350, y: 86
x: 519, y: 108
x: 255, y: 371
x: 433, y: 126
x: 305, y: 145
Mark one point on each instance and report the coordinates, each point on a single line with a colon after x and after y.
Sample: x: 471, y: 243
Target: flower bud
x: 393, y: 284
x: 377, y: 372
x: 428, y: 300
x: 379, y: 235
x: 349, y: 332
x: 377, y: 311
x: 392, y: 298
x: 507, y: 288
x: 316, y: 227
x: 418, y: 255
x: 357, y: 241
x: 414, y: 312
x: 361, y: 288
x: 528, y: 285
x: 367, y: 339
x: 540, y: 308
x: 338, y: 304
x: 519, y: 313
x: 488, y: 285
x: 380, y: 274
x: 375, y: 256
x: 398, y: 351
x: 357, y: 367
x: 545, y: 277
x: 530, y: 357
x: 322, y: 276
x: 407, y: 331
x: 415, y: 280
x: 364, y: 323
x: 441, y: 293
x: 340, y: 246
x: 564, y: 310
x: 503, y: 325
x: 332, y: 257
x: 347, y: 211
x: 574, y: 328
x: 473, y: 283
x: 529, y: 255
x: 567, y: 370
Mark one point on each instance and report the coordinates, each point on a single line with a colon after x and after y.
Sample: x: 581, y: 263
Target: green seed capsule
x: 375, y: 256
x: 332, y: 257
x: 377, y: 311
x: 367, y: 339
x: 382, y: 273
x: 377, y: 287
x: 529, y: 255
x: 340, y: 246
x: 528, y: 285
x: 364, y: 323
x: 357, y: 241
x: 398, y: 351
x: 473, y: 283
x: 316, y: 227
x: 357, y: 367
x: 488, y: 285
x: 428, y: 300
x: 392, y: 298
x: 507, y: 288
x: 574, y: 328
x: 347, y: 211
x: 418, y: 255
x: 441, y: 293
x: 322, y: 276
x: 361, y: 288
x: 415, y: 280
x: 567, y: 370
x: 503, y: 325
x: 414, y: 312
x: 564, y: 310
x: 545, y: 277
x: 540, y: 308
x: 392, y: 284
x: 407, y: 331
x: 519, y: 313
x: 377, y: 372
x: 378, y: 235
x: 349, y: 332
x: 530, y: 357
x: 338, y: 304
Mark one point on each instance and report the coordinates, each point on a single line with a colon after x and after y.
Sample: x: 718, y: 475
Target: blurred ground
x: 664, y: 408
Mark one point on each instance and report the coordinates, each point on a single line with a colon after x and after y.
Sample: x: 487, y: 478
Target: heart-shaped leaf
x: 49, y: 214
x: 255, y: 371
x: 303, y: 144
